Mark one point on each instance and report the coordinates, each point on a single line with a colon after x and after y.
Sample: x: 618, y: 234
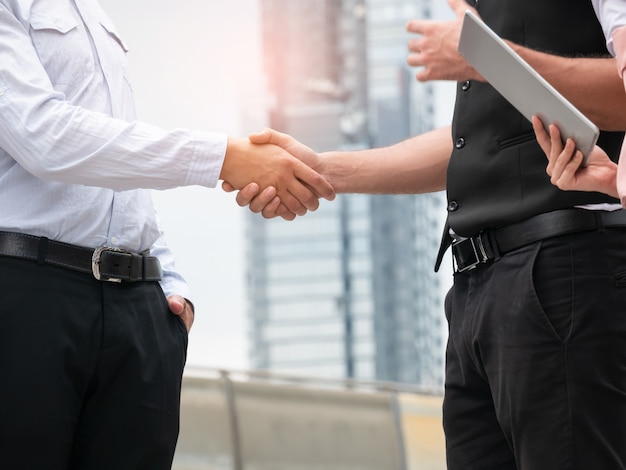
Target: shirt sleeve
x: 619, y: 42
x: 612, y: 15
x: 58, y: 141
x: 172, y: 282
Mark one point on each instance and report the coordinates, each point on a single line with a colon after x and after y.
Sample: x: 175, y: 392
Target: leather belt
x: 104, y: 263
x: 490, y: 244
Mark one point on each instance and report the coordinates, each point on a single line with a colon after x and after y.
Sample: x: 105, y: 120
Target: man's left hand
x: 183, y: 308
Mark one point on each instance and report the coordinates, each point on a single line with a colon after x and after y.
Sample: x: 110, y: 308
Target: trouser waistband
x: 491, y: 243
x: 104, y: 263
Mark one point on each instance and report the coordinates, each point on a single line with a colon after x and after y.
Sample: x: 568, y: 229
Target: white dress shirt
x: 612, y: 15
x: 72, y: 156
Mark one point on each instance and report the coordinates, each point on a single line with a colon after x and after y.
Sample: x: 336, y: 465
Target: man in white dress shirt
x: 91, y: 356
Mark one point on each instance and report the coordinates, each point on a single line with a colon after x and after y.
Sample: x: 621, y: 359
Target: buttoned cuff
x: 208, y: 157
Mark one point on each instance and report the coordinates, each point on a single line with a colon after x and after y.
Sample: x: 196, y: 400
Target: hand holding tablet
x: 521, y: 85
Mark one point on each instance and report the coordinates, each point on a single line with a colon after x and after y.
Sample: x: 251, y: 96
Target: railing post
x: 229, y: 392
x: 397, y: 417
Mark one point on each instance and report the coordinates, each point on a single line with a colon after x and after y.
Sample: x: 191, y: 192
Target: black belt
x: 105, y: 263
x: 490, y: 244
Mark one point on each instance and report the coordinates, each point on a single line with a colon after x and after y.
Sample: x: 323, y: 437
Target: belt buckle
x: 95, y: 263
x: 478, y: 248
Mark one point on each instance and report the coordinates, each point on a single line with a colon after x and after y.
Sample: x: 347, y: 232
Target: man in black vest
x: 536, y: 357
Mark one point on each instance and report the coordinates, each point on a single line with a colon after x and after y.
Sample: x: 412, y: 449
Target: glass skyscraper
x: 349, y: 290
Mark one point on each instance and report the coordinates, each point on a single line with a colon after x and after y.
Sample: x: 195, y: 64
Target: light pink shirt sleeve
x: 619, y: 45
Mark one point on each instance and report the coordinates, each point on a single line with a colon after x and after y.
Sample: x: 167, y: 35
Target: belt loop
x: 42, y: 251
x: 493, y: 243
x: 143, y: 267
x: 599, y: 220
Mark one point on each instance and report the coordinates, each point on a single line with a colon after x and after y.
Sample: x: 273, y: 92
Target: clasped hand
x: 284, y: 188
x: 277, y: 177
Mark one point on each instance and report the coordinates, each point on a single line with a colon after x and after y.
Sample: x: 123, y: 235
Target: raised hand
x: 436, y: 50
x: 273, y: 168
x: 565, y: 163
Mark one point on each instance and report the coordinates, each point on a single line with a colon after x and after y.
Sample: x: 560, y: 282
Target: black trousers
x: 536, y: 358
x: 90, y: 371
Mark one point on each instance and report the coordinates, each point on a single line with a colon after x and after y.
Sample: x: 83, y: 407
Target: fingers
x: 544, y: 140
x: 556, y: 149
x: 416, y: 26
x: 314, y: 185
x: 565, y: 163
x: 563, y: 160
x: 274, y: 160
x: 551, y: 144
x: 566, y: 170
x: 269, y: 208
x: 281, y: 211
x: 247, y: 193
x: 301, y: 203
x: 542, y: 136
x: 255, y: 200
x: 267, y: 202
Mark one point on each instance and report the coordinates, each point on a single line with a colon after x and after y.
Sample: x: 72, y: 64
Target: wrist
x: 232, y: 157
x: 336, y: 173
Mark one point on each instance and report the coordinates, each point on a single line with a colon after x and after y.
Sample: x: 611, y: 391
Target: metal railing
x: 255, y: 420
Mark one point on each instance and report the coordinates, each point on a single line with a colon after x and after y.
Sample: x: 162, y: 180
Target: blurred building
x: 349, y: 290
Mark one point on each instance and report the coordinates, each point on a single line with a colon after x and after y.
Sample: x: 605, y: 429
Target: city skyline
x: 197, y: 78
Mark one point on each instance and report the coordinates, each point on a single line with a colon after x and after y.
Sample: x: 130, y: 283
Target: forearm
x: 591, y: 84
x: 414, y: 166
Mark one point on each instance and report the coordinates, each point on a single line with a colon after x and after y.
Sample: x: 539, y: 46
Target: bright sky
x: 196, y: 64
x: 193, y: 62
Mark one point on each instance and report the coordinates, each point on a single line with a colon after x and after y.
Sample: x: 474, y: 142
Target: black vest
x: 497, y: 172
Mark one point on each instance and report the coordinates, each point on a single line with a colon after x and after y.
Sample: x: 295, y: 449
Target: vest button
x: 460, y: 143
x: 466, y: 85
x: 453, y: 206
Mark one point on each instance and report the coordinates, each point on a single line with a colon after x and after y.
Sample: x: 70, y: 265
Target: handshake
x: 275, y: 174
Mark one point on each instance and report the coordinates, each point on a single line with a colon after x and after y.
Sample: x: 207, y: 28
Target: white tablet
x: 521, y: 85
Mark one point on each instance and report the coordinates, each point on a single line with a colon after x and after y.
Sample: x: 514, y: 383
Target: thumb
x: 261, y: 137
x: 176, y: 303
x: 271, y: 136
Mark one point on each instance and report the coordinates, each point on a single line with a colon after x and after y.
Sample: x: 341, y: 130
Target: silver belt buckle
x: 95, y: 263
x: 480, y: 255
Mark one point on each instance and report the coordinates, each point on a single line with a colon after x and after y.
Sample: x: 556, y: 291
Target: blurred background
x: 333, y: 323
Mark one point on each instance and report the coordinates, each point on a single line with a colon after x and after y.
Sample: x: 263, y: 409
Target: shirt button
x: 453, y: 206
x: 466, y: 85
x: 460, y: 143
x: 114, y: 240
